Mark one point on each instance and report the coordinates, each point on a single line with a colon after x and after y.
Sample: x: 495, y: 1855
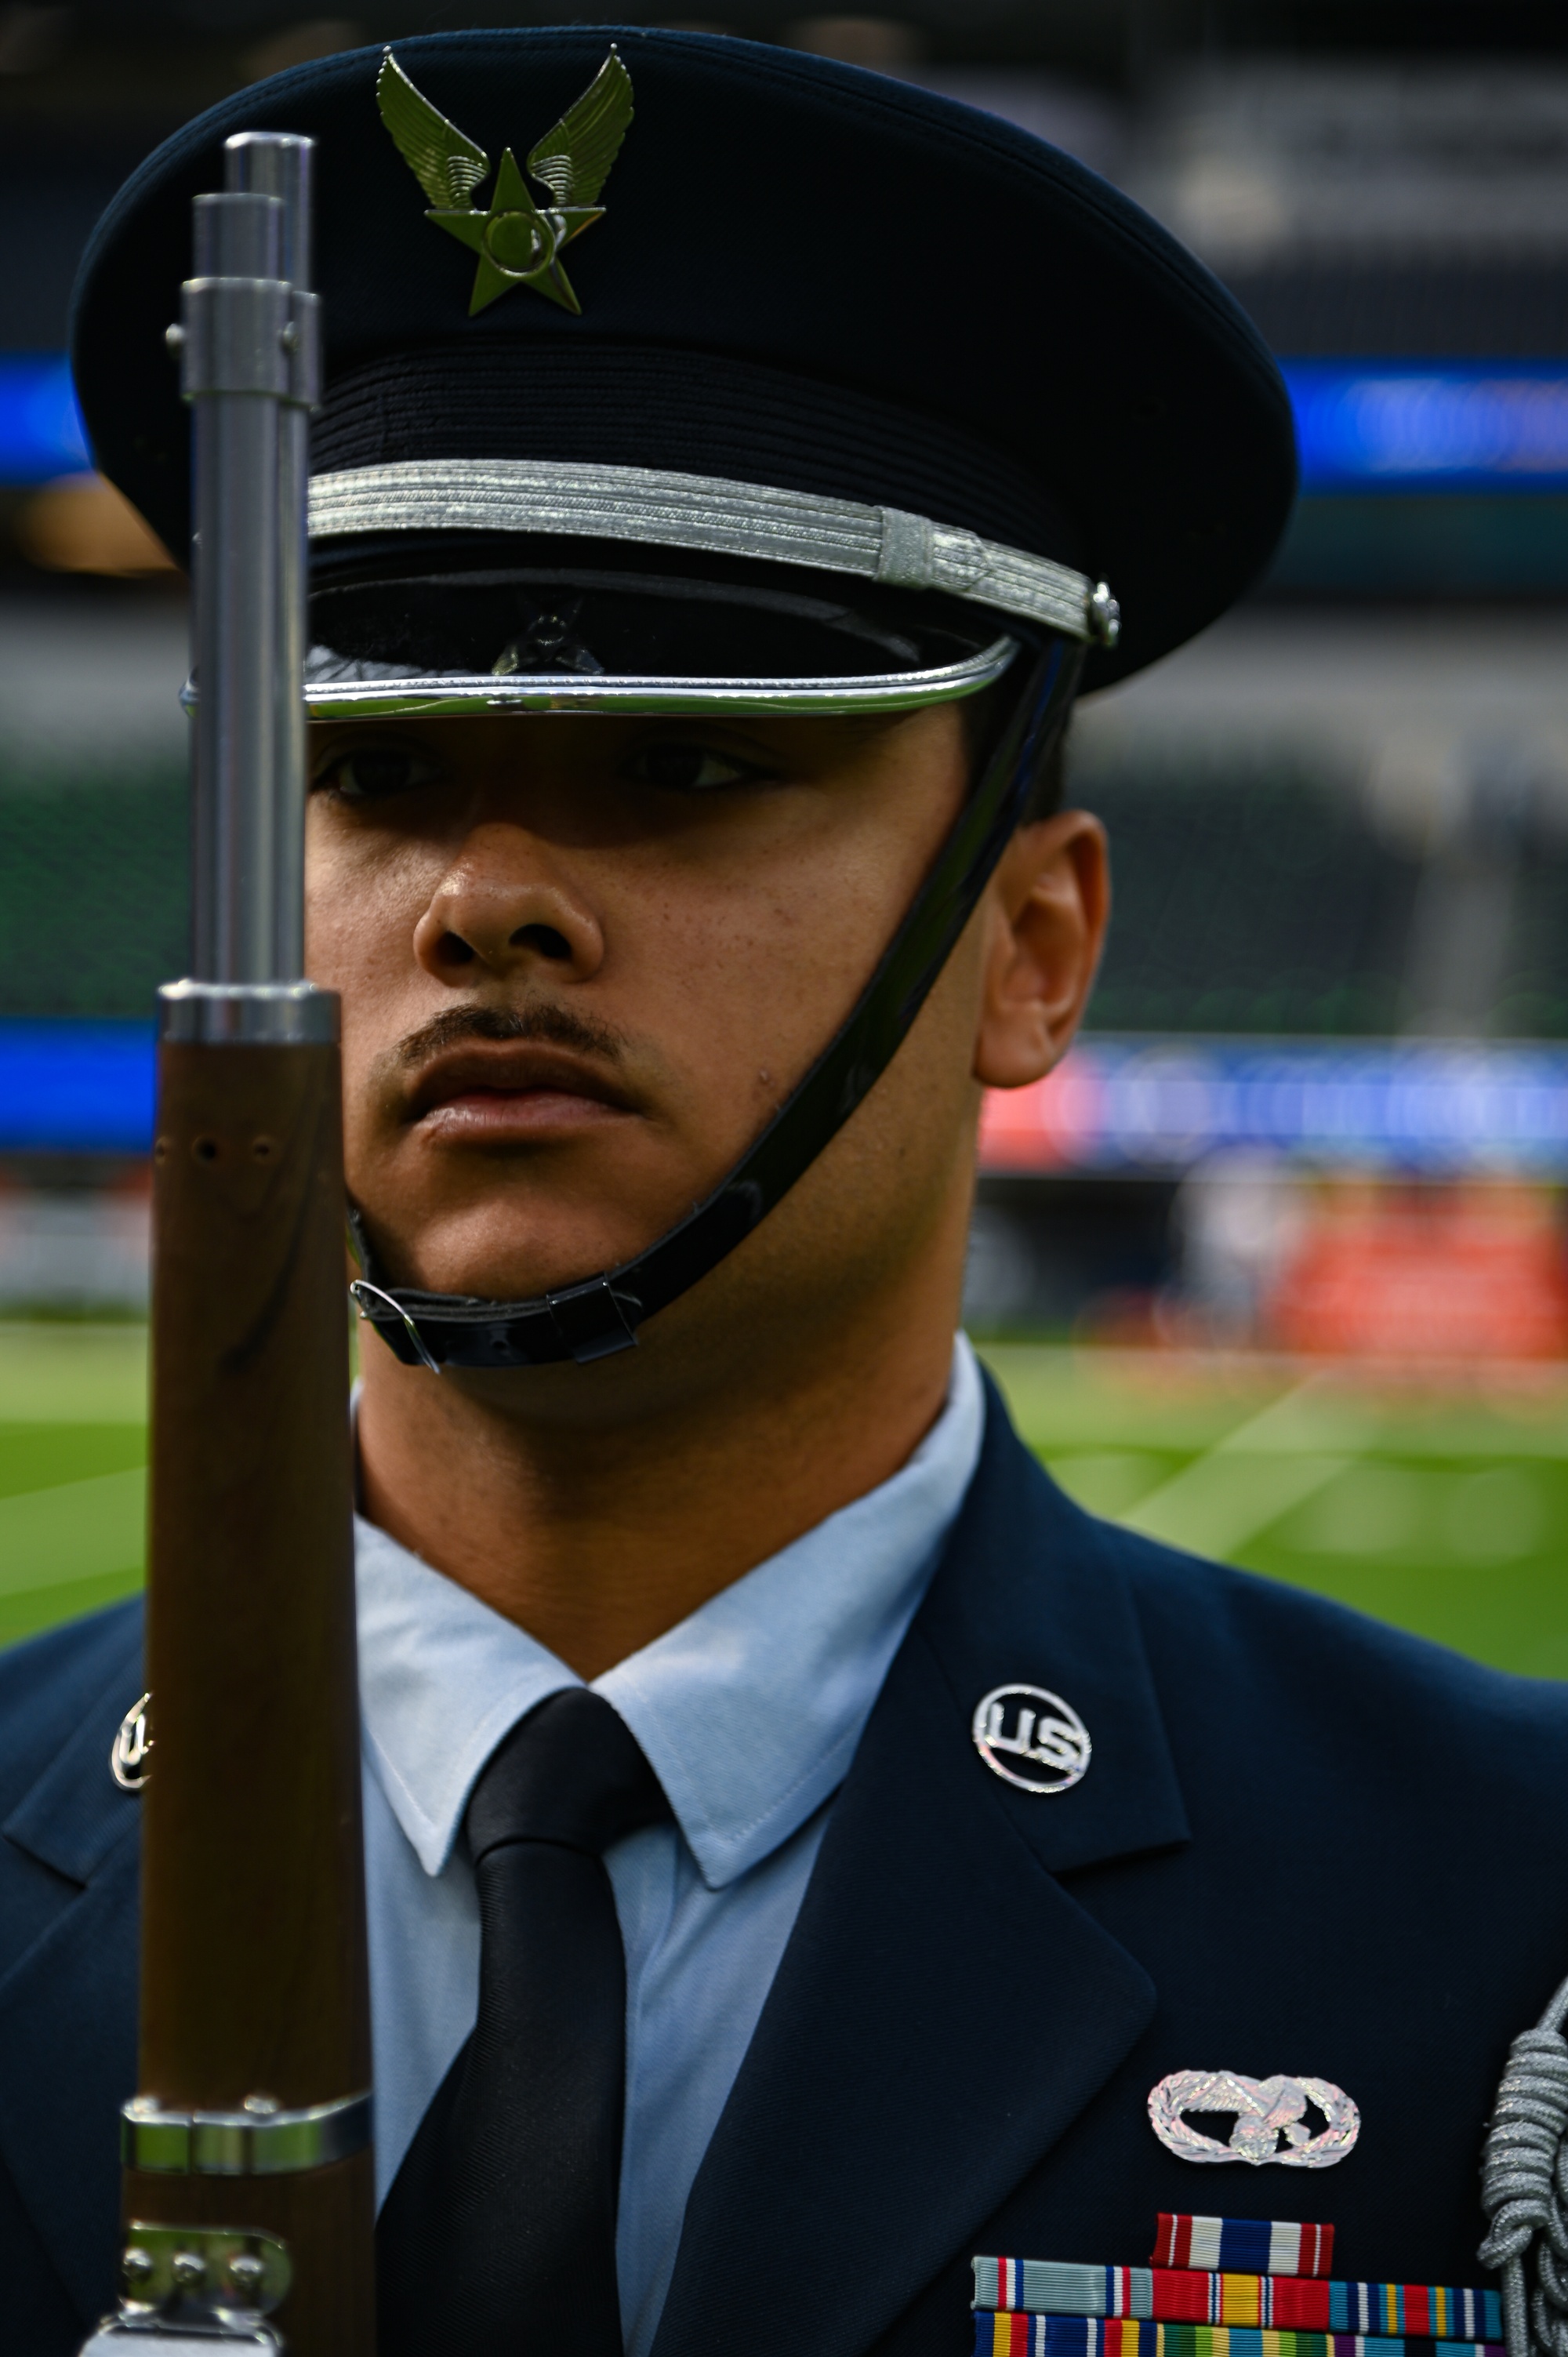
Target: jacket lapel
x: 68, y: 2002
x: 943, y: 2010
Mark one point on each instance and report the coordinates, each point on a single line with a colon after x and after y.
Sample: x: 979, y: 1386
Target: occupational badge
x: 518, y: 242
x: 1270, y: 2118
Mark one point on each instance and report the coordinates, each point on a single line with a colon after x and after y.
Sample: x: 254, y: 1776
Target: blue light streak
x: 1438, y: 1108
x: 1376, y: 425
x: 40, y: 426
x: 1362, y: 425
x: 69, y: 1084
x: 74, y: 1086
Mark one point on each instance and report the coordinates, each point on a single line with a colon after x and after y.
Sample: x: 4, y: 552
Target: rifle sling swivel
x: 254, y: 2142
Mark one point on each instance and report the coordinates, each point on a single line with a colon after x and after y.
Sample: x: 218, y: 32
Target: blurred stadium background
x: 1277, y: 1266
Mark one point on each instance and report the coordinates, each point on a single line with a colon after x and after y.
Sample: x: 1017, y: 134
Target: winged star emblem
x: 518, y: 242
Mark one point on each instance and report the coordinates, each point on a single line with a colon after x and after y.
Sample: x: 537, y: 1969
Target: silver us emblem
x: 128, y: 1754
x: 1048, y: 1750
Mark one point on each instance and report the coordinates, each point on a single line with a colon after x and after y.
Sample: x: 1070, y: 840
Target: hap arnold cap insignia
x: 1269, y: 2116
x: 518, y: 242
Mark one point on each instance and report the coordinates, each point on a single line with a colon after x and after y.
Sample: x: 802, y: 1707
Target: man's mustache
x: 551, y: 1026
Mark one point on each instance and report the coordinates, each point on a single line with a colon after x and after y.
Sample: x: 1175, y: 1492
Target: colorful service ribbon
x: 1290, y: 2303
x: 1014, y: 2334
x: 1245, y: 2246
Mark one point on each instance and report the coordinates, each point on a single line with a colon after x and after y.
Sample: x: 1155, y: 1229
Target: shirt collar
x: 749, y: 1710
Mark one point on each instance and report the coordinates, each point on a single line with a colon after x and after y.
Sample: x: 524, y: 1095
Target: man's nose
x: 502, y: 908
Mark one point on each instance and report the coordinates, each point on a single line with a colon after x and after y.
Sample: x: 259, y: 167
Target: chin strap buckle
x: 591, y: 1320
x: 362, y: 1291
x: 588, y: 1321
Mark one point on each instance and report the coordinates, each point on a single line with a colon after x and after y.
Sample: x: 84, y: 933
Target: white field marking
x: 1071, y: 1397
x: 1273, y: 1461
x: 78, y: 1530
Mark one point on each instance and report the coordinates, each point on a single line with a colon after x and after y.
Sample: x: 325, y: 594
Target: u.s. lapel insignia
x: 1048, y: 1750
x: 1270, y: 2118
x: 128, y: 1754
x: 518, y: 242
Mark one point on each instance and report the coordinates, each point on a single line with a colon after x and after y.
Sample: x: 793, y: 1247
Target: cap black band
x: 601, y: 1316
x: 701, y: 412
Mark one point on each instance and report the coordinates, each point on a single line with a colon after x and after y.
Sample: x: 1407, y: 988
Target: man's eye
x: 371, y: 773
x: 690, y: 768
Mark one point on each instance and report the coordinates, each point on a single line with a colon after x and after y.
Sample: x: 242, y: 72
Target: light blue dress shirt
x: 749, y: 1711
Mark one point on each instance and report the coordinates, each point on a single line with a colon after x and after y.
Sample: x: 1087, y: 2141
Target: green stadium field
x: 72, y: 1490
x: 1444, y: 1509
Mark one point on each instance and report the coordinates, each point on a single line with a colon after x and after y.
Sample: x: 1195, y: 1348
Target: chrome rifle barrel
x: 277, y: 164
x: 249, y: 345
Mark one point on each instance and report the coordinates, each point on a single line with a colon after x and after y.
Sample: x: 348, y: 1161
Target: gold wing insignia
x: 573, y: 159
x: 443, y: 159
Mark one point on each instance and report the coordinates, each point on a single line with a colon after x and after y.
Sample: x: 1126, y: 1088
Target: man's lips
x: 514, y: 1087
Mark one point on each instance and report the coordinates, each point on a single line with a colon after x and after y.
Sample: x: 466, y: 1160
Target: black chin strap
x: 602, y: 1315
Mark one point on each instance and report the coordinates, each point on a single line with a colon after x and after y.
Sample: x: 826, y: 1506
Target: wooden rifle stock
x: 254, y: 1970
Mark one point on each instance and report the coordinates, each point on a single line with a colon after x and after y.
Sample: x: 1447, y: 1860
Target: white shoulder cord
x: 1524, y: 2188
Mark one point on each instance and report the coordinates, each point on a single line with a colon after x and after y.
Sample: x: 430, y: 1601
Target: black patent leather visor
x: 551, y: 627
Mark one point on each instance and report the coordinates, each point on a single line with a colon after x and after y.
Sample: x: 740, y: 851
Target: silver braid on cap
x: 701, y: 511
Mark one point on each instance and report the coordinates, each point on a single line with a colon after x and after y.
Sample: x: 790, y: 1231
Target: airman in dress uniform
x: 804, y: 1850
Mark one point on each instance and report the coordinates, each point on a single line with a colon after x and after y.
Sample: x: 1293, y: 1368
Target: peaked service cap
x: 807, y: 276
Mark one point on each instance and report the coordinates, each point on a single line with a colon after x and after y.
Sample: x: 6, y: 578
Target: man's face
x: 581, y: 960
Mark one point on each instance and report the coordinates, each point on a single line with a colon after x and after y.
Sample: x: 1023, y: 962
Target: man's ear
x: 1045, y: 911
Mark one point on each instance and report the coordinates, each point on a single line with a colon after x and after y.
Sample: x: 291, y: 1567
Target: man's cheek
x: 359, y: 929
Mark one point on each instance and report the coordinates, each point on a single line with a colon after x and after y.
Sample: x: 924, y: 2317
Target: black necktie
x: 498, y: 2234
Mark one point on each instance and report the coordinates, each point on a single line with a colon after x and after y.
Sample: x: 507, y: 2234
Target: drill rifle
x: 248, y: 2169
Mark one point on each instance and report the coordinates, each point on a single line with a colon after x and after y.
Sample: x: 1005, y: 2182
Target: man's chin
x: 488, y: 1266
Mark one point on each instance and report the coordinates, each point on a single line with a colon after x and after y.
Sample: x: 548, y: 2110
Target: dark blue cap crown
x: 805, y: 276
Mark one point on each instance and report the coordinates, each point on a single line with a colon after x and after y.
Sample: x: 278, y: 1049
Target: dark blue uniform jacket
x: 1304, y: 1844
